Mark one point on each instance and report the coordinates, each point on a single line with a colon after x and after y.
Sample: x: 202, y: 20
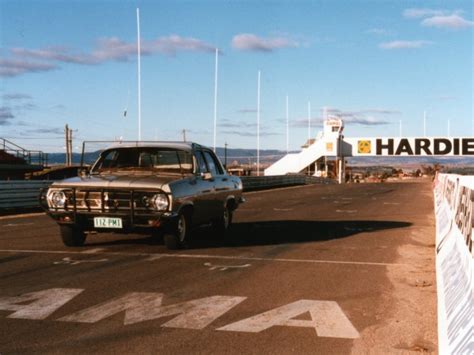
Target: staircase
x: 325, y: 145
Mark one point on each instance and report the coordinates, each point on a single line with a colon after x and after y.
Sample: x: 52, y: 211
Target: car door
x: 221, y: 182
x: 204, y: 201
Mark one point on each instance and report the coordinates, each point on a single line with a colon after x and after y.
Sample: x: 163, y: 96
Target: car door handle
x: 224, y: 179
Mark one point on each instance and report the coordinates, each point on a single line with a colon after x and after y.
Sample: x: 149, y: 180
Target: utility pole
x: 68, y: 135
x: 184, y: 135
x: 70, y: 147
x: 225, y: 155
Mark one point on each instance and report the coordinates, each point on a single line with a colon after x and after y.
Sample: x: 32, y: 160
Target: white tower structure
x: 311, y: 159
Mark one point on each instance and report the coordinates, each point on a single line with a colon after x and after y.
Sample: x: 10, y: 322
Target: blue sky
x: 373, y: 63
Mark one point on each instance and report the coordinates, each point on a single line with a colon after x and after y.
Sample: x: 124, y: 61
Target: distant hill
x: 244, y: 156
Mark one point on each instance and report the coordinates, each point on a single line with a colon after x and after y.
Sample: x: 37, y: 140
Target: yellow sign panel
x: 364, y: 147
x: 329, y: 147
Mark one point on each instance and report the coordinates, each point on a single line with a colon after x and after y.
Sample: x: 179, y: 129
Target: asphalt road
x: 313, y: 269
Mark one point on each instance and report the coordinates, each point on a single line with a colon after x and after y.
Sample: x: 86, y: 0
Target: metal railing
x: 254, y: 183
x: 31, y: 157
x: 21, y: 193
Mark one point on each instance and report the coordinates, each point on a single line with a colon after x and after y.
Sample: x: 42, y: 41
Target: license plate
x: 107, y: 222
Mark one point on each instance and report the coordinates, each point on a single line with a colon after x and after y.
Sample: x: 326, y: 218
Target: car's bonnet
x: 118, y: 181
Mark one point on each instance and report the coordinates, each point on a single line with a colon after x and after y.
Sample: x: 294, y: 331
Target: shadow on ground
x: 268, y: 233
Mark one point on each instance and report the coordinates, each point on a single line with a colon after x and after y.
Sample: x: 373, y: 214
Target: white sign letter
x: 43, y: 303
x: 327, y: 319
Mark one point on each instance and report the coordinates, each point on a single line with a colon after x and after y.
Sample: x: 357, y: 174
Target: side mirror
x: 206, y: 176
x: 83, y: 172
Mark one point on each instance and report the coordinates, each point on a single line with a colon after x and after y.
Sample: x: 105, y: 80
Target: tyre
x: 177, y: 236
x: 72, y: 236
x: 222, y: 224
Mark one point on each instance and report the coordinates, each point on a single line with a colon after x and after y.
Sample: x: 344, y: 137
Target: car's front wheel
x: 72, y: 236
x: 177, y: 236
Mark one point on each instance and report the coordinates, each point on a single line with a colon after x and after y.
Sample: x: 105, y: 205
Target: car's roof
x: 156, y: 144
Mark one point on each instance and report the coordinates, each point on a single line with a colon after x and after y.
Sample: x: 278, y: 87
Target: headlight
x: 57, y: 199
x: 160, y: 202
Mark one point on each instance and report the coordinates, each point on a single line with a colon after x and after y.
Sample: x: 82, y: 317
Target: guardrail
x: 25, y: 193
x: 454, y: 209
x: 20, y: 193
x: 254, y: 183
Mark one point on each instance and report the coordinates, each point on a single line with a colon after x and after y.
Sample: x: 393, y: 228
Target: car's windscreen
x: 152, y: 159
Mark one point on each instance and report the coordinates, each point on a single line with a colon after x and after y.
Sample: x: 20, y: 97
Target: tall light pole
x: 287, y: 128
x: 215, y: 98
x: 424, y: 123
x: 309, y: 121
x: 258, y: 124
x: 139, y: 78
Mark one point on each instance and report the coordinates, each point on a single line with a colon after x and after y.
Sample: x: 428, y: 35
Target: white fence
x: 454, y: 205
x: 21, y: 193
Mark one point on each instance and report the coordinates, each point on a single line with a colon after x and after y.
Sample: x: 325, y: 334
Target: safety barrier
x: 20, y: 193
x: 253, y: 183
x: 454, y: 205
x: 24, y: 194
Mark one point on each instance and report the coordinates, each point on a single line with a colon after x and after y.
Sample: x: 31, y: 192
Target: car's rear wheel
x: 177, y: 236
x: 224, y: 222
x: 72, y: 236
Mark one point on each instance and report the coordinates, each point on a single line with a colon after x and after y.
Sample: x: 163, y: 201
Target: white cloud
x: 251, y: 42
x: 17, y: 66
x: 16, y: 96
x: 404, y: 44
x: 424, y: 12
x: 26, y: 60
x: 453, y: 21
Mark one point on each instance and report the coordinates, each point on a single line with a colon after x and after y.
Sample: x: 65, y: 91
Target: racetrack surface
x: 311, y: 269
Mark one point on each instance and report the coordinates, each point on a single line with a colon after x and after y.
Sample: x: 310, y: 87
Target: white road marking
x: 391, y: 203
x: 69, y: 261
x: 43, y: 303
x: 223, y: 257
x: 17, y: 224
x: 225, y: 267
x: 327, y: 318
x: 154, y: 257
x: 93, y: 251
x: 145, y: 306
x: 26, y: 215
x: 346, y: 211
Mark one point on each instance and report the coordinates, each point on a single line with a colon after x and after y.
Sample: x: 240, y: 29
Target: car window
x: 201, y: 162
x: 108, y: 160
x: 186, y: 161
x: 214, y: 166
x: 147, y: 158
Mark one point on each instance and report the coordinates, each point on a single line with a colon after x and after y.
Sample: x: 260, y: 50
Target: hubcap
x: 226, y: 218
x: 181, y: 228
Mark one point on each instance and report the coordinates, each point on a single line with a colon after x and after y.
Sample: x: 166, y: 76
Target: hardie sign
x: 424, y: 146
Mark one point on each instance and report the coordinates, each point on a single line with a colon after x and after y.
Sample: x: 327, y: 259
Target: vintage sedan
x: 165, y: 188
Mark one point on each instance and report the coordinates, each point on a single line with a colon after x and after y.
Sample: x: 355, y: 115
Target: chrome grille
x: 110, y: 200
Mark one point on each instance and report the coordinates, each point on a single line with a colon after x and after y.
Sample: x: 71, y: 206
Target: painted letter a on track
x: 327, y: 318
